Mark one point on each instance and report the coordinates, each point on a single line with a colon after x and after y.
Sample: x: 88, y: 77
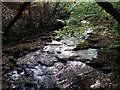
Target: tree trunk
x: 12, y: 22
x: 108, y: 7
x: 55, y: 9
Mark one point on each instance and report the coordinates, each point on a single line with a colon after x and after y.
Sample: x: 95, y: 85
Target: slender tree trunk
x: 12, y: 22
x: 108, y: 7
x: 55, y: 9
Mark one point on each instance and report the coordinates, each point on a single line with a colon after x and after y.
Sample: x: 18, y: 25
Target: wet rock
x: 47, y: 48
x: 47, y: 60
x: 65, y: 55
x: 68, y: 75
x: 37, y: 57
x: 63, y: 76
x: 95, y: 86
x: 54, y: 69
x: 15, y: 75
x: 68, y: 42
x: 86, y: 33
x: 89, y: 31
x: 49, y: 83
x: 51, y: 70
x: 88, y: 54
x: 77, y: 67
x: 81, y: 55
x: 37, y: 70
x: 55, y: 43
x: 29, y: 59
x: 58, y: 48
x: 28, y: 72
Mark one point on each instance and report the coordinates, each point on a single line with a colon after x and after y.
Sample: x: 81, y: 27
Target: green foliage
x: 78, y: 11
x: 69, y: 31
x: 116, y: 5
x: 64, y: 6
x: 82, y: 10
x: 114, y: 44
x: 116, y: 29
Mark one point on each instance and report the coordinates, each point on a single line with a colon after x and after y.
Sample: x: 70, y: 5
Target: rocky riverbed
x: 59, y: 66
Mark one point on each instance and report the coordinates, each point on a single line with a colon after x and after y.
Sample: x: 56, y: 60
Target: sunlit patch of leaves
x: 68, y: 31
x: 72, y: 31
x: 78, y: 11
x: 99, y: 19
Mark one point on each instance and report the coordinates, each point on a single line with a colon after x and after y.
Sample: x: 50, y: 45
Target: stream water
x: 56, y: 67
